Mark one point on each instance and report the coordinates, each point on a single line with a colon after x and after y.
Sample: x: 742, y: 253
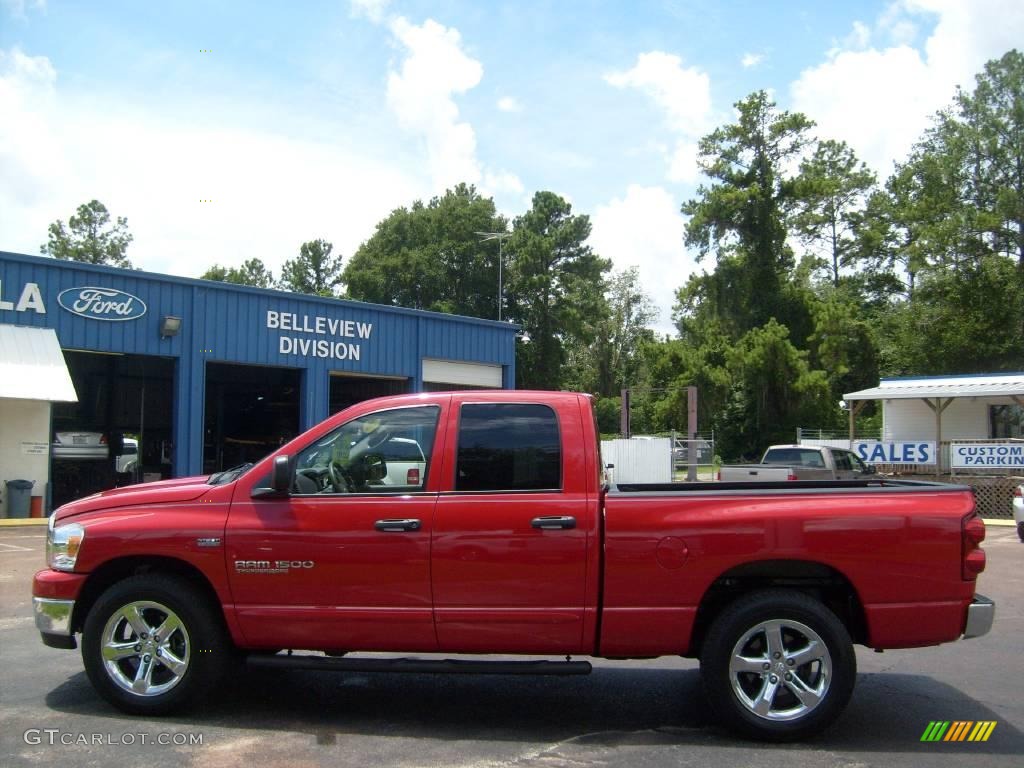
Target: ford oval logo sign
x: 102, y: 303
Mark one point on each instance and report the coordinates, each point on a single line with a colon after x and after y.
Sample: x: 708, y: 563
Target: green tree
x: 950, y: 221
x: 90, y: 237
x: 991, y: 119
x: 621, y: 334
x: 829, y: 198
x: 252, y: 272
x: 844, y: 347
x: 888, y: 247
x: 315, y: 271
x: 774, y: 391
x: 742, y: 215
x: 668, y: 367
x: 963, y: 320
x: 555, y: 288
x: 433, y: 257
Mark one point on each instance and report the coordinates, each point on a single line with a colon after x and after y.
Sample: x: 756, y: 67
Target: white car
x: 404, y: 460
x: 128, y: 460
x: 80, y: 445
x: 1018, y: 510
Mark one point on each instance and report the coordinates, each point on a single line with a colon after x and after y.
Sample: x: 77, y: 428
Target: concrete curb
x: 1001, y: 522
x: 14, y: 522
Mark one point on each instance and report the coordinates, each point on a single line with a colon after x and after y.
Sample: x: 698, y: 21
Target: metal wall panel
x: 228, y: 323
x: 639, y: 460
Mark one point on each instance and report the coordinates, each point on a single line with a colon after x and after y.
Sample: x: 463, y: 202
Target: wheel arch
x: 118, y: 569
x: 818, y: 580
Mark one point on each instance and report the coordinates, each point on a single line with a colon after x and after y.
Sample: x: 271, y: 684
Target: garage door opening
x: 120, y: 430
x: 449, y: 375
x: 250, y: 411
x: 347, y: 389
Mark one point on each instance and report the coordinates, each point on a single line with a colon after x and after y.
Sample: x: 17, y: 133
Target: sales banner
x: 987, y: 455
x: 895, y: 452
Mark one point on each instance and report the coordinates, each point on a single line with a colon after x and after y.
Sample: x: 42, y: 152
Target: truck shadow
x: 613, y: 706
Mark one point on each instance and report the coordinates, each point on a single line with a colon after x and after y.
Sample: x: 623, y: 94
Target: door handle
x: 554, y: 522
x: 397, y: 525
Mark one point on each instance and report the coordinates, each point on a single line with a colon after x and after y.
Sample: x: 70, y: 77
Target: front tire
x: 153, y: 644
x: 777, y: 665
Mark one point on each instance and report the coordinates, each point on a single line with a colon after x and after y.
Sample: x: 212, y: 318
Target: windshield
x: 229, y: 475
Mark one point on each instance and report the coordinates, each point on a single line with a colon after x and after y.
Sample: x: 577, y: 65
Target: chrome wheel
x: 145, y: 648
x: 780, y: 670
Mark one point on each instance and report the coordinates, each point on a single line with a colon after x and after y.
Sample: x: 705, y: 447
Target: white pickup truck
x: 799, y: 462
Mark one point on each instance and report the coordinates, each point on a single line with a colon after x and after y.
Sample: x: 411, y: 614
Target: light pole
x: 499, y: 236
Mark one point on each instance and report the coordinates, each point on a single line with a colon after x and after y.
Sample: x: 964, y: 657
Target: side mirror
x: 869, y: 469
x: 281, y: 475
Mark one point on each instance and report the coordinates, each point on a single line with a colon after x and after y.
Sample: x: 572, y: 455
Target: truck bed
x: 791, y: 486
x: 892, y: 546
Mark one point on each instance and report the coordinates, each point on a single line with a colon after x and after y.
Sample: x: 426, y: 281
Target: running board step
x: 420, y: 666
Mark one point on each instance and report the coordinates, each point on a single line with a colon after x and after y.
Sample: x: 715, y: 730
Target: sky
x: 227, y: 130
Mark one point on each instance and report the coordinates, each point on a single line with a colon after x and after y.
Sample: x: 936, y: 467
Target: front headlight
x: 63, y: 543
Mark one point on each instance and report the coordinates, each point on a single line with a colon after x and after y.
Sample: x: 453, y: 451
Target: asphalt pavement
x: 636, y: 714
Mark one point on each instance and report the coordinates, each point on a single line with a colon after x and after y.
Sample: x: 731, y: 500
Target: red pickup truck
x: 479, y: 523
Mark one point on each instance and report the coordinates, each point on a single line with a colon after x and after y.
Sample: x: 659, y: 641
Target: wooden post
x: 691, y: 430
x: 938, y: 407
x: 854, y: 407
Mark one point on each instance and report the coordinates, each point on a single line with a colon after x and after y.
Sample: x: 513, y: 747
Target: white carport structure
x: 939, y: 408
x: 33, y: 374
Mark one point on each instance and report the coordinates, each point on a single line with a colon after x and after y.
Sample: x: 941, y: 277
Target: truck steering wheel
x: 341, y: 480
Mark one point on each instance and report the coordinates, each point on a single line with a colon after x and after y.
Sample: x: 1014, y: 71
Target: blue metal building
x: 198, y: 327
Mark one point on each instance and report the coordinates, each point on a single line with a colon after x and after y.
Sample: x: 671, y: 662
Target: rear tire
x: 153, y: 644
x: 1020, y: 531
x: 777, y: 665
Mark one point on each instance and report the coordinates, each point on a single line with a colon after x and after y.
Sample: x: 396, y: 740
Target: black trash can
x: 19, y: 497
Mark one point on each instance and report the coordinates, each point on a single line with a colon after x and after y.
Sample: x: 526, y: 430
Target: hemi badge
x: 208, y: 542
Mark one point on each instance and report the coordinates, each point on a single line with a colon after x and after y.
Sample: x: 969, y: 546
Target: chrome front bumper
x: 980, y: 614
x: 53, y: 617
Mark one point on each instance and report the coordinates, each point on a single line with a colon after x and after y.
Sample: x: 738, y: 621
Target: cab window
x: 382, y: 452
x: 842, y: 461
x: 508, y: 447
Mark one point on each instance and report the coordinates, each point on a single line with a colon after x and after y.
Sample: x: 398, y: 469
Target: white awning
x: 32, y: 365
x: 989, y: 385
x: 462, y: 374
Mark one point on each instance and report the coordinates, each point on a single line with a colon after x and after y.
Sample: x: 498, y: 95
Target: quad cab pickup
x: 494, y: 534
x: 799, y: 462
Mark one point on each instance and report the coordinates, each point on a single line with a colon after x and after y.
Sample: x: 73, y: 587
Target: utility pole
x: 499, y: 236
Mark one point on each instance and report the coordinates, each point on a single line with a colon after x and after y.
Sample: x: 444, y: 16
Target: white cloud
x: 421, y: 94
x: 880, y: 99
x: 502, y: 183
x: 751, y: 60
x: 896, y: 26
x: 31, y: 156
x: 18, y: 8
x: 374, y: 10
x: 683, y: 167
x: 683, y: 94
x: 645, y: 229
x: 509, y: 104
x: 270, y: 192
x: 858, y: 39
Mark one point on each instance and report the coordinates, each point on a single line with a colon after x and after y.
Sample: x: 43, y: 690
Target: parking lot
x: 633, y: 714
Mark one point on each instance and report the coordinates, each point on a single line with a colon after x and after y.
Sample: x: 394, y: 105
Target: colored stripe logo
x: 958, y: 730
